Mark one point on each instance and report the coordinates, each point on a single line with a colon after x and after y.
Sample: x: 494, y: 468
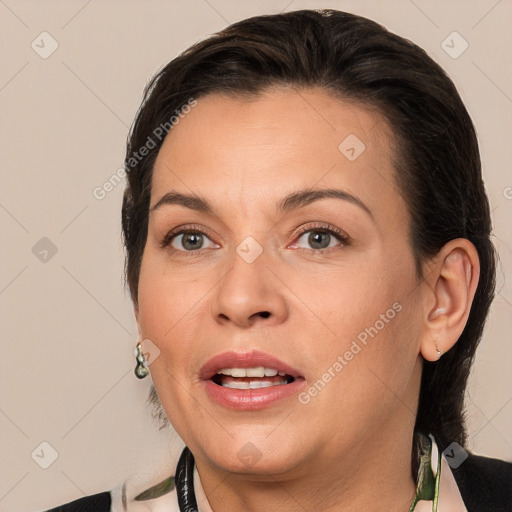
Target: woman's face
x: 341, y: 309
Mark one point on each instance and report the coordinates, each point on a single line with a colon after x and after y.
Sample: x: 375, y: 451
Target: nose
x: 249, y: 293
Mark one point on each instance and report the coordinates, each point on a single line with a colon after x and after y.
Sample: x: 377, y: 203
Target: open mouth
x: 250, y: 378
x: 249, y: 381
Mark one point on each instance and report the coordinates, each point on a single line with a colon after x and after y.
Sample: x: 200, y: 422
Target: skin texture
x: 349, y: 447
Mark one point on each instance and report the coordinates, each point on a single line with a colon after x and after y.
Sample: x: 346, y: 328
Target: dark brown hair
x: 437, y: 160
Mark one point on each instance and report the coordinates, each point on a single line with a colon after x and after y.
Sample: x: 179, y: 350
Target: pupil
x: 313, y: 239
x: 191, y: 236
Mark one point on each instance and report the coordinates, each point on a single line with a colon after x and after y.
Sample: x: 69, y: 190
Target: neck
x: 374, y: 475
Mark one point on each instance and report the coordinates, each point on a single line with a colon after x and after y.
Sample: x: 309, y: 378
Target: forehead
x: 250, y: 152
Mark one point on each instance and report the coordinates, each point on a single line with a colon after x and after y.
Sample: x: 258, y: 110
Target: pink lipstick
x: 248, y: 381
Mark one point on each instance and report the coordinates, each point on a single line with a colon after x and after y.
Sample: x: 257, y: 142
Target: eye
x: 321, y: 238
x: 187, y: 239
x: 191, y: 239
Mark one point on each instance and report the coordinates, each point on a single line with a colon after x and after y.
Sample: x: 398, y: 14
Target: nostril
x: 265, y: 314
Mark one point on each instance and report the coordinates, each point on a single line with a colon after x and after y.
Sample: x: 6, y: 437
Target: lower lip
x: 250, y: 399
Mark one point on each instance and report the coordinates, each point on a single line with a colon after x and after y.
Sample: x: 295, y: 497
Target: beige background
x: 67, y: 325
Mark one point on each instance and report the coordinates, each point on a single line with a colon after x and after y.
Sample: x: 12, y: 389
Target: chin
x: 255, y: 453
x: 252, y: 461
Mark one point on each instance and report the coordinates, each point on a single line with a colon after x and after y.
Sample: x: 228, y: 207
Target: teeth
x: 252, y: 385
x: 257, y: 371
x: 260, y: 384
x: 237, y: 385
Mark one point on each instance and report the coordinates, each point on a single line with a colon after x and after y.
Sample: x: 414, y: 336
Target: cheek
x: 364, y: 372
x: 166, y: 304
x: 363, y: 322
x: 349, y: 300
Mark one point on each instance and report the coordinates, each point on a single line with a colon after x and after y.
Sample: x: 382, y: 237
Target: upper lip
x: 244, y: 360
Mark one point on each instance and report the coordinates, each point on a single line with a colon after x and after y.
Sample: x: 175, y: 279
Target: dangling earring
x: 141, y: 370
x: 439, y: 353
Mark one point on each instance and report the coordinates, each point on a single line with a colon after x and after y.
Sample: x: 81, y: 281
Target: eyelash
x: 321, y: 228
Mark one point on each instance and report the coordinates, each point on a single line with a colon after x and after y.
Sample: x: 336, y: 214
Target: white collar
x: 450, y: 499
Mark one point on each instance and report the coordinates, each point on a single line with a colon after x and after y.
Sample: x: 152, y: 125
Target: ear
x: 447, y: 300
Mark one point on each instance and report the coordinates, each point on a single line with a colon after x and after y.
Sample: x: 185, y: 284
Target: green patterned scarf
x: 428, y: 486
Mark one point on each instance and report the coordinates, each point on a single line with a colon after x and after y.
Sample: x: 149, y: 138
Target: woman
x: 308, y: 255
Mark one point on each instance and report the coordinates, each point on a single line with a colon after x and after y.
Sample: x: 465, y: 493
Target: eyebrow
x: 293, y: 201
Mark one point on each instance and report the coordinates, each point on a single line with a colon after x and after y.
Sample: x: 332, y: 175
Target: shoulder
x: 116, y: 500
x: 127, y: 497
x: 485, y: 483
x: 100, y: 502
